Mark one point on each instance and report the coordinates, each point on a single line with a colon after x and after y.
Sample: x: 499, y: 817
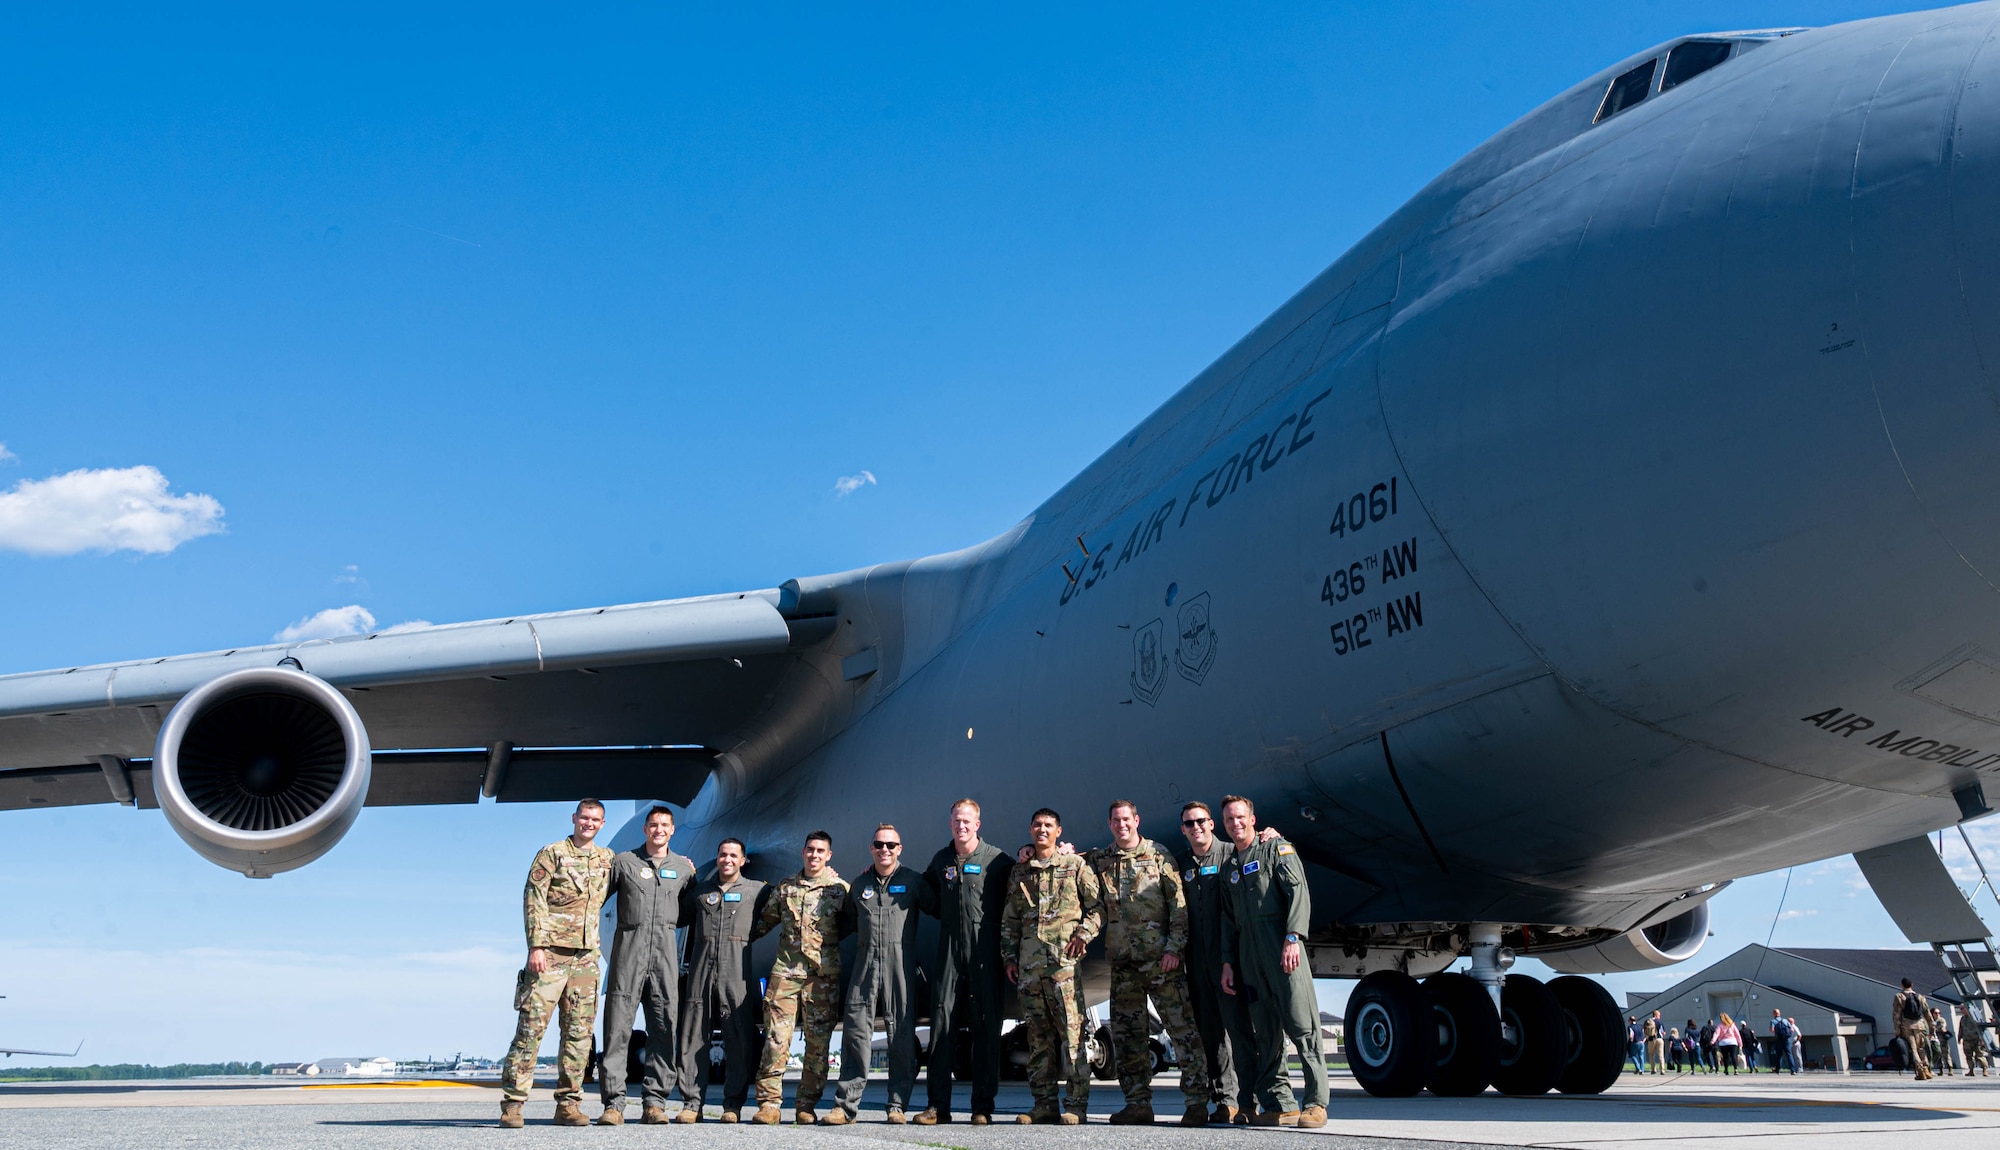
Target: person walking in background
x: 1972, y: 1040
x: 1708, y: 1046
x: 1911, y: 1012
x: 1794, y: 1044
x: 1727, y: 1041
x: 1635, y: 1044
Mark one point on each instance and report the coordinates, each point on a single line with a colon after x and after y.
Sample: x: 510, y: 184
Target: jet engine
x: 262, y: 770
x: 1663, y: 943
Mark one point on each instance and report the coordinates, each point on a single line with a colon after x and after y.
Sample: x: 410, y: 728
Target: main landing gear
x: 1446, y: 1035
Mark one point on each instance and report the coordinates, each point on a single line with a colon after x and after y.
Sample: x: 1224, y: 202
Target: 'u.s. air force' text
x: 1262, y: 453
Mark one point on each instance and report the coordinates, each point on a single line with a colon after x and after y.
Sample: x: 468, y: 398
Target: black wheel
x: 1156, y: 1052
x: 1533, y: 1045
x: 1596, y: 1035
x: 1391, y: 1035
x: 1103, y: 1059
x: 1468, y: 1036
x: 1014, y: 1053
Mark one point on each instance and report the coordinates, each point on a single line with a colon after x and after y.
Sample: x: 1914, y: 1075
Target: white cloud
x: 349, y: 574
x: 411, y: 625
x: 103, y: 509
x: 7, y: 456
x: 1797, y: 914
x: 331, y: 623
x: 847, y: 485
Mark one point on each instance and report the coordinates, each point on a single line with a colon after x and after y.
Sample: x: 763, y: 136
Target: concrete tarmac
x: 1840, y: 1112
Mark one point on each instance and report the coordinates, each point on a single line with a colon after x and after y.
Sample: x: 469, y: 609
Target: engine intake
x: 262, y: 770
x: 1664, y: 943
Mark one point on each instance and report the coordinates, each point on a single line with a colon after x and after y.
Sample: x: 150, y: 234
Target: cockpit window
x: 1693, y: 58
x: 1627, y: 90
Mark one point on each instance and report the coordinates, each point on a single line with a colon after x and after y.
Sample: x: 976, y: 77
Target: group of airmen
x: 1209, y: 932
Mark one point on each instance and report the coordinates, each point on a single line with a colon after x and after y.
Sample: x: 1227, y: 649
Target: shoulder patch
x: 1285, y: 849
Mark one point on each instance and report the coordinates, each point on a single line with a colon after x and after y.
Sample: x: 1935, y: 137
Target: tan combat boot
x: 728, y: 1116
x: 835, y: 1117
x: 654, y: 1116
x: 1134, y: 1114
x: 570, y: 1114
x: 1223, y: 1115
x: 1039, y: 1116
x: 767, y: 1114
x: 804, y: 1116
x: 1072, y: 1118
x: 688, y: 1114
x: 977, y: 1119
x: 1312, y: 1118
x: 896, y: 1116
x: 612, y: 1116
x: 932, y: 1116
x: 510, y: 1116
x: 1195, y: 1115
x: 1276, y: 1118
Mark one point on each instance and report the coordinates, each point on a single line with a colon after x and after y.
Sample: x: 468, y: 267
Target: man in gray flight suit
x: 969, y: 879
x: 645, y: 968
x: 1225, y: 1029
x: 720, y: 992
x: 1266, y: 912
x: 881, y: 910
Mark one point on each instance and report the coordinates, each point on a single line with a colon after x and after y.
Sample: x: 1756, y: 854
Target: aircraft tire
x: 1596, y: 1035
x: 1391, y: 1034
x: 1468, y: 1036
x: 1531, y: 1063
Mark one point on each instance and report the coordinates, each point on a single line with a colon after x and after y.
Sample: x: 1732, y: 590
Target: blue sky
x: 463, y: 312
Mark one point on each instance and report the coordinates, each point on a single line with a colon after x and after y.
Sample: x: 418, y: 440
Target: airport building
x: 1840, y: 998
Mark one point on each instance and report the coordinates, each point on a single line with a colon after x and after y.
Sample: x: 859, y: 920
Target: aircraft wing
x: 9, y: 1052
x: 620, y: 702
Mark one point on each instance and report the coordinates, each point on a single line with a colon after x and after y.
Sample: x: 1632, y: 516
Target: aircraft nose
x: 1926, y: 211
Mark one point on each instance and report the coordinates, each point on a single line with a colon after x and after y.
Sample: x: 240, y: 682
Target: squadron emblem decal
x: 1149, y: 662
x: 1196, y: 652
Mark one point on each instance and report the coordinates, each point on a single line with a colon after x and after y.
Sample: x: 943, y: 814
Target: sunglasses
x: 879, y: 845
x: 1196, y: 822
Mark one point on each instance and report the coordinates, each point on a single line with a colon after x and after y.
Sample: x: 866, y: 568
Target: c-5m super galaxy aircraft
x: 1620, y: 517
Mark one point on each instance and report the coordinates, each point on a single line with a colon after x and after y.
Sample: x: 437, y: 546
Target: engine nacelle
x: 1642, y: 948
x: 262, y: 770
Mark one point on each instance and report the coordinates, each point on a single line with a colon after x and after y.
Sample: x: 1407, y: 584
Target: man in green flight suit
x: 803, y: 989
x: 564, y: 895
x: 1145, y: 935
x: 970, y: 879
x: 648, y: 882
x: 881, y: 912
x: 1266, y: 912
x: 1053, y: 911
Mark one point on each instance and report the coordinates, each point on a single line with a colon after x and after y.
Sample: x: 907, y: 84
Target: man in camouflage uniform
x: 565, y: 893
x: 1053, y: 911
x: 1911, y: 1011
x: 648, y: 881
x: 1266, y: 914
x: 1145, y: 934
x: 1972, y: 1040
x: 803, y: 989
x: 1225, y: 1028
